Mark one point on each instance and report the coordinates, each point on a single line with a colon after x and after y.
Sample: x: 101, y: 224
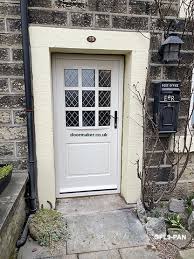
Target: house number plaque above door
x: 91, y: 39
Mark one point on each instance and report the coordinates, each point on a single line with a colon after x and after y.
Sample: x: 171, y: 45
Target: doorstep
x: 101, y: 223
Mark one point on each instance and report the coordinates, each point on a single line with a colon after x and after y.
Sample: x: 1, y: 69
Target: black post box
x: 166, y: 106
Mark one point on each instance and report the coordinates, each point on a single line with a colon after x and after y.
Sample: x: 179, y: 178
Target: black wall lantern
x: 170, y: 49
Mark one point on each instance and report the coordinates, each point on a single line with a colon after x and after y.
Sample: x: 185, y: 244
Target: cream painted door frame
x: 47, y: 40
x: 89, y: 164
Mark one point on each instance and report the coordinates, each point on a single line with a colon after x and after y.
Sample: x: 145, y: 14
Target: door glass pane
x: 88, y: 118
x: 71, y: 77
x: 88, y: 98
x: 71, y: 98
x: 88, y: 77
x: 104, y: 78
x: 72, y: 118
x: 104, y: 118
x: 104, y: 98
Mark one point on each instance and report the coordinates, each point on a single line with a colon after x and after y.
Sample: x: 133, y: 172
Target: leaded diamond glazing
x: 71, y: 77
x: 88, y: 118
x: 88, y: 77
x: 104, y: 98
x: 104, y: 78
x: 71, y: 98
x: 104, y: 118
x: 72, y: 118
x: 88, y: 98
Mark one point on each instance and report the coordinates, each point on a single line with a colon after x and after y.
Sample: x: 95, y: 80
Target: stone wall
x: 122, y: 15
x: 12, y: 215
x: 13, y: 146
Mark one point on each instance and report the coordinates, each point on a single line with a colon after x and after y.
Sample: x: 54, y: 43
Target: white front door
x: 88, y: 121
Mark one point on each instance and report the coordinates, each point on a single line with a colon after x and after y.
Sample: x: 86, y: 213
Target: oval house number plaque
x: 91, y: 39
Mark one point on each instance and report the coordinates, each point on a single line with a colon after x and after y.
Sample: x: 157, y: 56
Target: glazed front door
x: 88, y: 118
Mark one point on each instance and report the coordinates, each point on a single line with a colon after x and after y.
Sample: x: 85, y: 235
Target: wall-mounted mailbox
x: 166, y: 106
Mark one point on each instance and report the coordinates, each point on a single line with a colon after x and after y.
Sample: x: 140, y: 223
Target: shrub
x: 5, y: 170
x: 47, y: 226
x: 175, y: 221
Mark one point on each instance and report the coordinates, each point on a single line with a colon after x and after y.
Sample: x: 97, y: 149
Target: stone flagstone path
x: 100, y: 227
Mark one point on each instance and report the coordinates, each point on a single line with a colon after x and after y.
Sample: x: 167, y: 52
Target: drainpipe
x: 32, y: 172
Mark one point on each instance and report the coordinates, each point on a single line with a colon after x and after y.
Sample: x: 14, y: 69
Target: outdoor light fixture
x: 170, y: 49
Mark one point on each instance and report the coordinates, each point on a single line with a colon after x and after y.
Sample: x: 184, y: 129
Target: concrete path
x: 100, y: 227
x: 187, y: 254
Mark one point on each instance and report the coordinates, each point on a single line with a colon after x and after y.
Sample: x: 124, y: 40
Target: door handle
x: 115, y: 120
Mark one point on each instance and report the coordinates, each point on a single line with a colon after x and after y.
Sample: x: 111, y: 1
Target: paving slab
x: 138, y: 253
x: 32, y: 250
x: 91, y: 204
x: 104, y: 231
x: 111, y: 254
x: 70, y: 257
x: 186, y: 254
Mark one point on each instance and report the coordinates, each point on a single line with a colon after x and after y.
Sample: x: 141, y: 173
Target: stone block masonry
x: 12, y: 98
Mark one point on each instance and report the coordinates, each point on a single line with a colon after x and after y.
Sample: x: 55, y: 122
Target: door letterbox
x: 166, y: 106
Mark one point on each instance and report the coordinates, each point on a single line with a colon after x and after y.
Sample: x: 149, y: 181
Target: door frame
x: 118, y: 58
x: 45, y: 40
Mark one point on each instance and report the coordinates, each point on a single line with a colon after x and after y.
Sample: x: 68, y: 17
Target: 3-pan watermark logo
x: 171, y: 237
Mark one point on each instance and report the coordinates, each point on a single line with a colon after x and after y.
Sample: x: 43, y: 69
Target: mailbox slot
x: 166, y: 106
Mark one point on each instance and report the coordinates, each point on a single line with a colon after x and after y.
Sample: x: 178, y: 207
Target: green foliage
x: 189, y: 204
x: 175, y: 221
x: 48, y: 227
x: 154, y: 213
x: 5, y: 170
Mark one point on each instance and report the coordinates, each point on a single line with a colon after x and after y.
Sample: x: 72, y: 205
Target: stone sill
x: 10, y: 197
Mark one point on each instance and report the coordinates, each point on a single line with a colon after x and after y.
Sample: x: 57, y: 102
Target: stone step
x: 91, y: 204
x: 104, y: 231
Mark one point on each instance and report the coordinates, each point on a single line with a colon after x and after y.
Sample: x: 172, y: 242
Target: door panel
x: 87, y: 144
x: 85, y: 163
